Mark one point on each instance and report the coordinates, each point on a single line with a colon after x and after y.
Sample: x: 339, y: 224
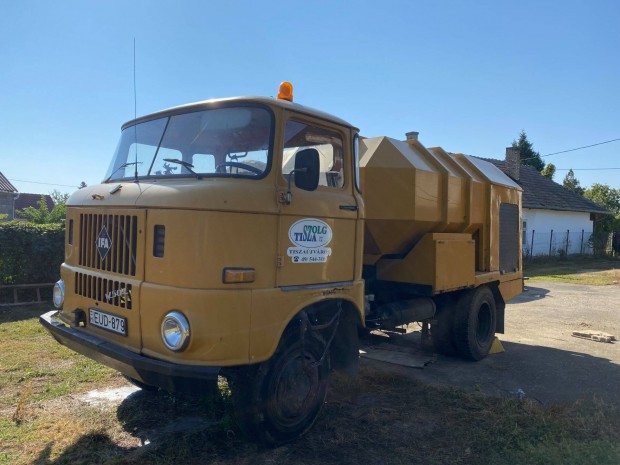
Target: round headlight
x: 59, y: 294
x: 175, y: 331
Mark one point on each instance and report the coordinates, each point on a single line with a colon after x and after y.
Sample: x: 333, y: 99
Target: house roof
x: 5, y: 185
x: 31, y: 200
x: 543, y: 193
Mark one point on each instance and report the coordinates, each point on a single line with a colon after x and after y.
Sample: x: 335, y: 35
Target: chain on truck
x: 254, y: 237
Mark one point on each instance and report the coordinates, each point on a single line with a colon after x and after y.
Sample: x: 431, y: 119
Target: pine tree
x: 526, y: 152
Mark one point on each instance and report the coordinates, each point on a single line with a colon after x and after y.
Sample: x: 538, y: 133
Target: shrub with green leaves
x: 30, y: 253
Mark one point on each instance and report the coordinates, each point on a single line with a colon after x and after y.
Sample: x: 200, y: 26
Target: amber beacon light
x: 286, y: 91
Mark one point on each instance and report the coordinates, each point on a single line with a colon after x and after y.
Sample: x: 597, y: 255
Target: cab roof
x: 215, y: 103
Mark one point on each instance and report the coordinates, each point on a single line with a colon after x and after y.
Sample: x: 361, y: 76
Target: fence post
x: 532, y: 248
x: 567, y: 236
x: 550, y: 241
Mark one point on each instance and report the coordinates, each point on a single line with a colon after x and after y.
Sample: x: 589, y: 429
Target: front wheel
x: 279, y: 400
x: 474, y: 324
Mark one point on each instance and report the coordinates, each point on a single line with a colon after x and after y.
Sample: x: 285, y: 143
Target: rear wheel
x: 279, y: 400
x: 474, y: 323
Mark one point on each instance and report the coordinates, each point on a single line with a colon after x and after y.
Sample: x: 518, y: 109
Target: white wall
x: 542, y: 222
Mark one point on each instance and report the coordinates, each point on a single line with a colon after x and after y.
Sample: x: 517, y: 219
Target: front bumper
x: 166, y: 375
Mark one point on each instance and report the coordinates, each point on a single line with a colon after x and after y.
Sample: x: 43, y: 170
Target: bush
x: 30, y: 253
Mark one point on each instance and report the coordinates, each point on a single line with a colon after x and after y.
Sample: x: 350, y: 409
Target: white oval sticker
x: 310, y: 237
x: 310, y: 233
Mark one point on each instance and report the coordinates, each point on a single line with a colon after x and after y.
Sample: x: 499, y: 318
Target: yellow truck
x: 254, y: 237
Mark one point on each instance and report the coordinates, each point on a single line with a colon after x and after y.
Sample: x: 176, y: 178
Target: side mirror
x: 307, y: 166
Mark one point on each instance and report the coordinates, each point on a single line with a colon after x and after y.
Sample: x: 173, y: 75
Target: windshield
x: 232, y: 141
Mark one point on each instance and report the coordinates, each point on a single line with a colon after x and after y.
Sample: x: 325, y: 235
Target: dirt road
x: 542, y: 359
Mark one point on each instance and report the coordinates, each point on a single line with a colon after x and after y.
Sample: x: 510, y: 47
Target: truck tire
x: 279, y: 400
x: 474, y: 324
x: 442, y: 331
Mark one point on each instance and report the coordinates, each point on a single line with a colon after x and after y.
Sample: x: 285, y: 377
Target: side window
x: 299, y: 136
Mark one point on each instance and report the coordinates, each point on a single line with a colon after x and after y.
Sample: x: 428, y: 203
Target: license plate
x: 113, y: 323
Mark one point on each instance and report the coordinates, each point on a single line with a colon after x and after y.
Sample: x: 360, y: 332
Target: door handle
x: 352, y: 208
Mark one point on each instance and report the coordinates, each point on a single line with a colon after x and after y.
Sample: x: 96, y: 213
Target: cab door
x: 316, y: 232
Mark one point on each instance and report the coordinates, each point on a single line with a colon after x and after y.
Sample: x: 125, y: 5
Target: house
x: 12, y: 201
x: 556, y: 220
x: 31, y: 200
x: 8, y: 193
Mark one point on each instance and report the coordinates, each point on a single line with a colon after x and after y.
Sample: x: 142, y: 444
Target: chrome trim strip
x: 317, y: 286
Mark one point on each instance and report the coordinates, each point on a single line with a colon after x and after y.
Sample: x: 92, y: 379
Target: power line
x: 579, y: 148
x: 44, y: 183
x: 586, y: 169
x: 572, y: 150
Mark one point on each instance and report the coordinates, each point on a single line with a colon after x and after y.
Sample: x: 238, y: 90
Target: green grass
x: 574, y: 270
x: 30, y: 358
x: 378, y: 419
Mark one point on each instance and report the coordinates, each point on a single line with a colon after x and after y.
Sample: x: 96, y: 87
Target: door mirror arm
x: 288, y: 197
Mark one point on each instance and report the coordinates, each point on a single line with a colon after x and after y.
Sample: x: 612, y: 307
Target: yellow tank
x: 410, y: 191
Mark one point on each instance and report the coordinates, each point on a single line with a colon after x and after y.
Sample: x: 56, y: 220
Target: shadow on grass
x: 89, y: 449
x: 386, y: 418
x: 150, y: 416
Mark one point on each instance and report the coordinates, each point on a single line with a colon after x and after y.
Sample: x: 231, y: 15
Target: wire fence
x: 564, y: 243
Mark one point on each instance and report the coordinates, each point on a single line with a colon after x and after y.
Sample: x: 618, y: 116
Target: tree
x: 572, y: 183
x: 526, y: 152
x: 608, y: 198
x: 548, y: 171
x: 82, y: 185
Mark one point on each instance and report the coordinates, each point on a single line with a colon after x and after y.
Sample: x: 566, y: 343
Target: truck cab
x: 216, y: 226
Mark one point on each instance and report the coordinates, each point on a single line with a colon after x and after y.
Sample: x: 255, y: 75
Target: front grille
x: 122, y: 238
x: 112, y: 292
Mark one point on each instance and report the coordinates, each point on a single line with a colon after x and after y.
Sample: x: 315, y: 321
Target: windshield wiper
x: 188, y: 166
x: 124, y: 165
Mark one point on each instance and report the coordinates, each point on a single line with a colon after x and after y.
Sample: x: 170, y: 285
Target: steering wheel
x: 221, y: 168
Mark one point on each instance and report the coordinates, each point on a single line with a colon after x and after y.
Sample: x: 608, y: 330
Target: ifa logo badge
x: 103, y: 243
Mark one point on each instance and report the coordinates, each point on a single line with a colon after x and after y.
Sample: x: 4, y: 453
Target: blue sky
x: 469, y: 76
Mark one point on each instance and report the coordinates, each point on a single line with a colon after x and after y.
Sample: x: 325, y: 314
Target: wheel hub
x: 296, y: 389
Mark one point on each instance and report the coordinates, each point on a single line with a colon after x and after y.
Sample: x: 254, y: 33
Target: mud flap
x: 344, y: 352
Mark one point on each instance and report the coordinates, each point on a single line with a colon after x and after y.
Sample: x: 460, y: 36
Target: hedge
x: 30, y: 253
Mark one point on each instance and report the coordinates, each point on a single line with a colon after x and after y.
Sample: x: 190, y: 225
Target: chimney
x: 413, y: 135
x: 513, y: 162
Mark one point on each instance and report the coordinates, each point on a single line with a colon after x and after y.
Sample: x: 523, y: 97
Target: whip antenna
x: 135, y: 111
